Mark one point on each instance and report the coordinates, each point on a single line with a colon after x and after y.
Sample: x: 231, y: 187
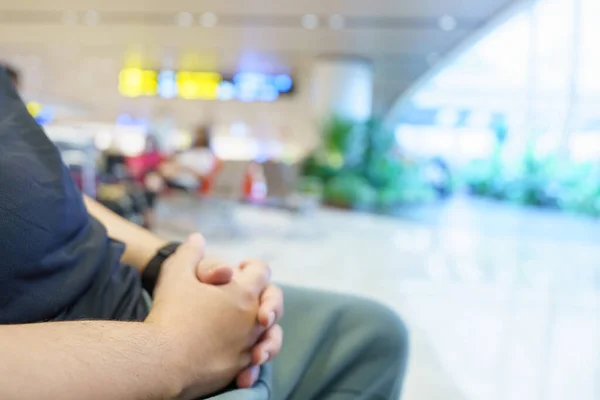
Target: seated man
x: 212, y: 330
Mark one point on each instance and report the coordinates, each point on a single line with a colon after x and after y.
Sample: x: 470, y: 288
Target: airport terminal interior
x: 441, y: 157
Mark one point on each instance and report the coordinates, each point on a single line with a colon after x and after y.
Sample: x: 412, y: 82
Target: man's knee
x: 387, y: 334
x: 368, y: 325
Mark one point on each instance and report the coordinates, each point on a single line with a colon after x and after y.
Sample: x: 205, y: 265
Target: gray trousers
x: 336, y: 347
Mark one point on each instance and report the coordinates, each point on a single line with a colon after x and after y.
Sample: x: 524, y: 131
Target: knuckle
x: 262, y: 281
x: 260, y: 266
x: 265, y: 274
x: 277, y: 340
x: 249, y: 263
x: 278, y: 297
x: 267, y: 270
x: 248, y: 297
x: 275, y: 351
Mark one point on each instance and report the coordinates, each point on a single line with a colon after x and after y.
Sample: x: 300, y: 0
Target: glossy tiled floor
x: 502, y: 303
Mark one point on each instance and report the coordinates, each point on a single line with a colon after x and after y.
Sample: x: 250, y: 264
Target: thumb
x: 214, y: 272
x: 215, y: 276
x: 190, y: 252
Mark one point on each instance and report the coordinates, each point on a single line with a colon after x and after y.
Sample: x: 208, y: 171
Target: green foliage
x: 310, y: 185
x: 539, y: 181
x: 337, y: 138
x: 319, y: 166
x: 580, y: 190
x: 415, y: 188
x: 485, y: 177
x: 384, y: 171
x: 532, y: 186
x: 349, y: 190
x: 360, y: 168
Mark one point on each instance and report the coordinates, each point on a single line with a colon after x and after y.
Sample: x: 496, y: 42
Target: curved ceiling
x: 403, y: 38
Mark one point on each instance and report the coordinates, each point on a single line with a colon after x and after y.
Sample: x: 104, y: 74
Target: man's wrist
x: 153, y: 247
x: 152, y: 270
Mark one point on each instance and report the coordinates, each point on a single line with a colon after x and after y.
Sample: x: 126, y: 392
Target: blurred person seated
x: 209, y: 330
x: 192, y: 168
x: 121, y: 193
x: 144, y: 169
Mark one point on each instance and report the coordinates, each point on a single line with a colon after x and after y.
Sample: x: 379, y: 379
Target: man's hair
x: 12, y: 73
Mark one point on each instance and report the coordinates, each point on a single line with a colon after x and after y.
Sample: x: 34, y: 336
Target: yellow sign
x: 198, y: 85
x: 135, y: 82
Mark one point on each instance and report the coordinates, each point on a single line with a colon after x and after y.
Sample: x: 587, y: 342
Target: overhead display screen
x: 194, y: 85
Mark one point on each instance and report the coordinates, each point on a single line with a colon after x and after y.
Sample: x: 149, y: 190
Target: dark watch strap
x: 152, y: 270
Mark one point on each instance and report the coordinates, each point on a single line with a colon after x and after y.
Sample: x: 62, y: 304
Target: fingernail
x: 214, y: 270
x: 264, y: 357
x: 255, y: 373
x: 271, y: 319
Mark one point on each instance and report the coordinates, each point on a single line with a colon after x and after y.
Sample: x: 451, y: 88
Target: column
x: 342, y: 86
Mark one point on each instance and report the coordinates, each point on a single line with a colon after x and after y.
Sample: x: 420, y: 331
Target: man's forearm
x: 141, y: 244
x: 87, y: 360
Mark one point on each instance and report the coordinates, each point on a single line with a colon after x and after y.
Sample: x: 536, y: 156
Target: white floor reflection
x: 502, y: 303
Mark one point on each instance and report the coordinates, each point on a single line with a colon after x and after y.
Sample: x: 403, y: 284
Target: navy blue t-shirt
x: 56, y: 262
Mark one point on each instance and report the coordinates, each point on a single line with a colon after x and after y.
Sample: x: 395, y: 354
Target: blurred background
x: 442, y: 157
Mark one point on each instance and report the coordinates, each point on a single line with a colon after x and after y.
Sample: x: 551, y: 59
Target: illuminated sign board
x: 134, y: 82
x: 168, y: 84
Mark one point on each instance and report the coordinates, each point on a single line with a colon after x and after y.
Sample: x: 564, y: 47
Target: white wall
x: 85, y: 78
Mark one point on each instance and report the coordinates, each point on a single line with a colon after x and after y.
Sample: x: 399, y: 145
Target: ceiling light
x: 69, y: 17
x: 185, y: 19
x: 208, y: 20
x: 91, y: 17
x: 447, y: 23
x: 310, y: 21
x: 336, y: 21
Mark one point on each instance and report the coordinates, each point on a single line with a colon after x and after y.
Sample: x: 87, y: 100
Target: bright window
x: 533, y: 78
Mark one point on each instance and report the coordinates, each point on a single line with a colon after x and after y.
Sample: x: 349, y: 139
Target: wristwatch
x: 152, y: 270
